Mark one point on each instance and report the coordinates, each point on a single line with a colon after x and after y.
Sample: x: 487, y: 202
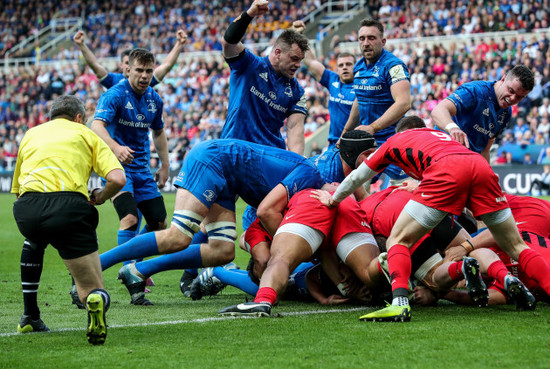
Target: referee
x: 53, y: 167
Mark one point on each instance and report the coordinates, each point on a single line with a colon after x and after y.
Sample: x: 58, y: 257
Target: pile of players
x: 361, y: 247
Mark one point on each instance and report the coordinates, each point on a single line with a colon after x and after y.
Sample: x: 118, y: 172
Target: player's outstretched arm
x: 314, y: 67
x: 80, y: 40
x: 162, y: 70
x: 442, y: 116
x: 231, y: 42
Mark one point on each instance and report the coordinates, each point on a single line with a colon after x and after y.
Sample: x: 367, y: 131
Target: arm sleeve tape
x: 355, y: 179
x: 237, y: 29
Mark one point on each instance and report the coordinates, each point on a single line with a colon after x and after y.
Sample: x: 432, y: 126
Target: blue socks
x: 236, y: 278
x: 190, y: 257
x: 137, y: 248
x: 124, y: 236
x: 198, y: 238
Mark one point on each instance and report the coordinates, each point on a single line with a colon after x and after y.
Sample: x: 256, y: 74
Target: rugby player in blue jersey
x: 264, y: 95
x: 382, y: 89
x: 109, y: 79
x: 213, y: 174
x: 264, y: 92
x: 339, y: 85
x: 123, y: 117
x: 478, y: 111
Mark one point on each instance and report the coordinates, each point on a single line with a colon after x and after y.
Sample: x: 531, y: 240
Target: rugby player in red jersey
x: 452, y: 177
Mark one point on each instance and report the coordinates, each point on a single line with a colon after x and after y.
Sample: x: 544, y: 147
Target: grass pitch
x: 179, y: 333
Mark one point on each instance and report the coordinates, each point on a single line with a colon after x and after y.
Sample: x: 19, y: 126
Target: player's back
x: 383, y: 209
x: 329, y: 165
x: 531, y: 214
x: 253, y: 170
x: 415, y: 150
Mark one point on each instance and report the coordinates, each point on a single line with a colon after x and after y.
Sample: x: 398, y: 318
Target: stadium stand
x: 195, y: 91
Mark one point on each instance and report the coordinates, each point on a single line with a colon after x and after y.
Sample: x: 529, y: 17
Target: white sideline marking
x: 200, y: 320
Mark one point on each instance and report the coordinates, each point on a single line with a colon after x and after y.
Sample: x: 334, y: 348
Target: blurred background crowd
x: 196, y: 90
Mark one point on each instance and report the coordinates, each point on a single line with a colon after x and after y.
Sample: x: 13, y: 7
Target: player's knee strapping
x: 125, y: 204
x: 154, y: 212
x: 188, y: 222
x: 222, y: 231
x: 496, y: 217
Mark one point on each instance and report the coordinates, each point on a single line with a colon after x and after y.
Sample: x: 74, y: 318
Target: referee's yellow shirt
x: 59, y: 156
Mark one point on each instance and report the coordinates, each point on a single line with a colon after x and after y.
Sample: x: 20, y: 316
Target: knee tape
x: 426, y: 216
x: 222, y: 231
x: 153, y: 211
x: 125, y: 204
x: 496, y: 217
x: 188, y: 222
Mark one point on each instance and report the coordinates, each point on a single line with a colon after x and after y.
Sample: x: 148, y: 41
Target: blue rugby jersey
x: 112, y: 79
x: 372, y: 83
x: 478, y: 113
x: 341, y: 97
x: 129, y: 116
x: 329, y: 165
x: 252, y: 170
x: 260, y: 100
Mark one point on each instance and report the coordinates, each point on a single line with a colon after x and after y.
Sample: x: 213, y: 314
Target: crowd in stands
x: 114, y: 26
x: 416, y: 18
x: 196, y: 91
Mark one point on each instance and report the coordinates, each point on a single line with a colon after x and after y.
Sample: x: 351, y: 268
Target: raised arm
x: 314, y: 67
x: 162, y: 70
x: 231, y: 42
x: 80, y: 40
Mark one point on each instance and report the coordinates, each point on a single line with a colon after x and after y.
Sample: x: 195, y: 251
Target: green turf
x: 180, y: 333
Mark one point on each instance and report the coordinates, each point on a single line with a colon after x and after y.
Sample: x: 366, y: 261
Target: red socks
x: 455, y: 271
x: 266, y: 294
x: 399, y: 265
x: 535, y: 267
x: 497, y: 270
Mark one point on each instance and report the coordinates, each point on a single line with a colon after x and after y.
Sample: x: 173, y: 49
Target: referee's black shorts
x: 63, y: 219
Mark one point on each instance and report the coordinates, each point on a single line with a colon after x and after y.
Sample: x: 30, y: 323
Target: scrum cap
x: 353, y: 143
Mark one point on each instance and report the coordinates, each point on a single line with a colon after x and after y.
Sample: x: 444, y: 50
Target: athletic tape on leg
x: 222, y: 231
x: 188, y: 222
x: 496, y: 217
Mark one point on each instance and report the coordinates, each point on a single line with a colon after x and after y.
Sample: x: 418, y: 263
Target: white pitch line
x: 200, y: 320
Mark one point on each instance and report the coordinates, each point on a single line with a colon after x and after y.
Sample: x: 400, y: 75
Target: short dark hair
x: 289, y: 37
x: 369, y: 22
x: 345, y: 54
x: 412, y: 121
x: 142, y: 56
x: 524, y: 74
x: 124, y: 53
x: 67, y: 106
